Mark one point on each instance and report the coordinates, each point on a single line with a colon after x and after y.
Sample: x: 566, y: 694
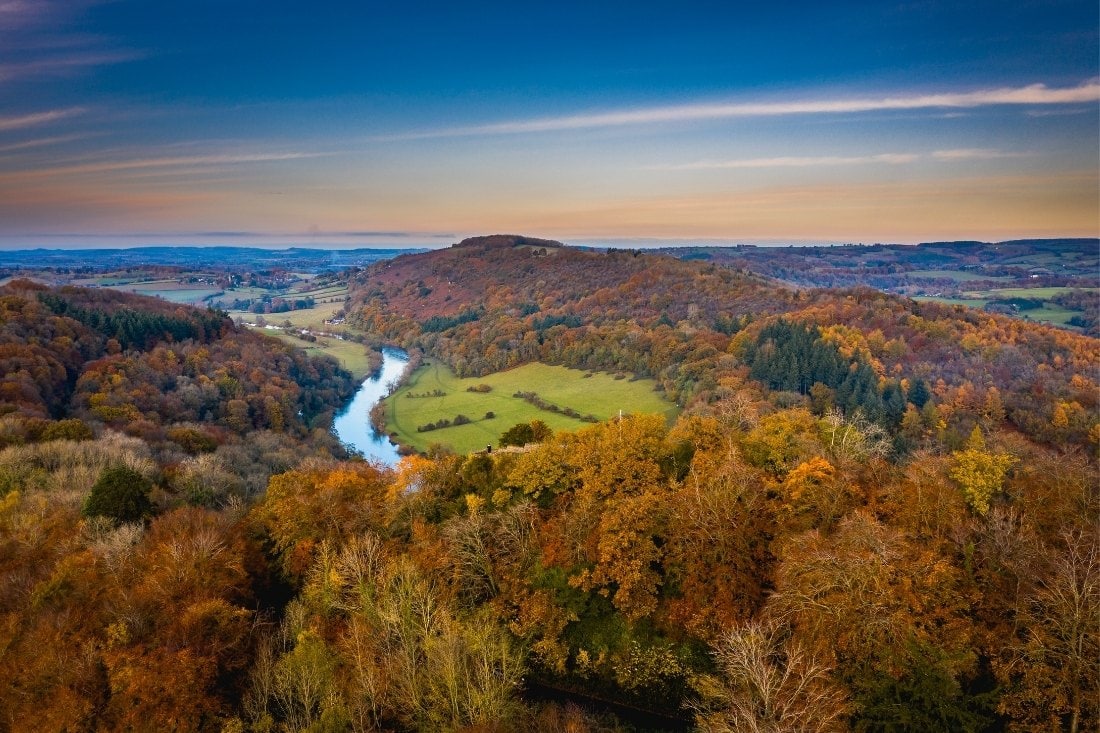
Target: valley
x: 774, y: 443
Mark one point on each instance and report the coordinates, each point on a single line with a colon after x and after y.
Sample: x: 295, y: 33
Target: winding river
x: 352, y: 424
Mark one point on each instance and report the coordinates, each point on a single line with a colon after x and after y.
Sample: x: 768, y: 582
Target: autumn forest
x: 871, y: 513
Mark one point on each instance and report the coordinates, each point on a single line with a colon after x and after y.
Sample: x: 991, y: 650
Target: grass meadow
x: 598, y: 394
x: 352, y: 356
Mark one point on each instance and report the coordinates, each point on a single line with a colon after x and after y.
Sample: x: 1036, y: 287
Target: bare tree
x: 1055, y: 666
x: 768, y: 683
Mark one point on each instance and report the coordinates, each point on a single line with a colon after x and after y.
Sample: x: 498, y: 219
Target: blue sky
x: 384, y: 123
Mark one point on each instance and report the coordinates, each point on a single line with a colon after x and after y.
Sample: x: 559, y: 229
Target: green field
x: 244, y: 293
x: 972, y: 302
x: 956, y: 275
x: 175, y: 295
x: 311, y: 318
x: 1041, y: 293
x: 171, y: 290
x: 352, y: 356
x: 600, y: 395
x: 1050, y: 312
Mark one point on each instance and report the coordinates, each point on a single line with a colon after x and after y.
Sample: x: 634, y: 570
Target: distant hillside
x: 235, y: 259
x: 909, y: 269
x: 505, y: 241
x: 493, y: 303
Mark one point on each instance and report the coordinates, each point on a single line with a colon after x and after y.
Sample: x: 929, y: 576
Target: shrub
x: 520, y: 435
x: 70, y: 429
x: 120, y: 493
x: 193, y: 440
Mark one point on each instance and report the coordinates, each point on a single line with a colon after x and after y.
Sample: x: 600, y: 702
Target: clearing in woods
x: 589, y: 393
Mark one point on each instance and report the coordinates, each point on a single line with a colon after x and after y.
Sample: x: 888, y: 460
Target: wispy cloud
x: 37, y: 118
x: 19, y: 15
x: 976, y: 154
x: 790, y: 162
x: 17, y: 12
x: 1058, y: 112
x: 1034, y: 94
x: 39, y: 143
x: 64, y: 64
x: 188, y: 161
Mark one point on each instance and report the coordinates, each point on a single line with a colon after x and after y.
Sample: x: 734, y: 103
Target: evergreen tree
x: 120, y: 493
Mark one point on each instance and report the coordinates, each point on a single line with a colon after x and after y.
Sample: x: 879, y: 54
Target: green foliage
x: 139, y: 328
x: 192, y: 440
x: 519, y: 435
x: 120, y: 493
x: 923, y: 698
x: 919, y: 393
x: 442, y: 323
x: 69, y: 429
x: 789, y: 356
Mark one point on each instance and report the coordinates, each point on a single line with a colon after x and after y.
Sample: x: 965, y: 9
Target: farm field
x: 185, y: 296
x: 1024, y: 292
x: 1051, y: 313
x: 969, y: 302
x: 354, y: 357
x: 328, y: 291
x: 167, y: 288
x: 600, y: 395
x: 311, y: 318
x: 170, y: 290
x: 957, y: 275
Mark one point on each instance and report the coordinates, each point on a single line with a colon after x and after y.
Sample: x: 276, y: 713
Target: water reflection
x: 352, y: 424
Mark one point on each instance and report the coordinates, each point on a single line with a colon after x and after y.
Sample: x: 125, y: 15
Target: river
x: 352, y: 424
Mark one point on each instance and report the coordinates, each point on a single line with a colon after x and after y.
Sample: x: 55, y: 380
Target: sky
x: 129, y: 122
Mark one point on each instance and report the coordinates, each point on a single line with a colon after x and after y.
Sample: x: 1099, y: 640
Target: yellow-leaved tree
x: 979, y: 472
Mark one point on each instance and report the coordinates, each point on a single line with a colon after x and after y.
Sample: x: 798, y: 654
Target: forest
x: 872, y: 514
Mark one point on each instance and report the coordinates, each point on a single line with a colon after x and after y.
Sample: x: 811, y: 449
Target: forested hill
x: 145, y: 366
x: 491, y: 303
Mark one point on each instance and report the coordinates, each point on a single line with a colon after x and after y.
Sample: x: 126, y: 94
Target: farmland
x: 354, y: 357
x: 957, y: 275
x: 1048, y: 310
x: 439, y: 394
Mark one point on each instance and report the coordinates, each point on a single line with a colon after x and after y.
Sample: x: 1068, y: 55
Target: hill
x: 491, y: 304
x: 143, y: 365
x: 1056, y: 280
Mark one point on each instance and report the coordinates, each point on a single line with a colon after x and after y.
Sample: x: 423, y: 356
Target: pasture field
x: 176, y: 295
x: 311, y: 318
x: 598, y: 394
x: 244, y: 292
x: 956, y: 275
x: 171, y: 290
x: 325, y: 293
x: 971, y: 302
x: 1042, y: 293
x: 1051, y: 313
x: 352, y: 356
